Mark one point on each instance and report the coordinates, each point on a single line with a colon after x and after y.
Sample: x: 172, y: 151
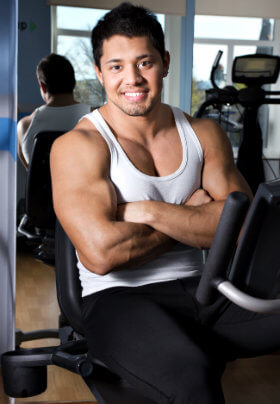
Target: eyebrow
x: 117, y: 60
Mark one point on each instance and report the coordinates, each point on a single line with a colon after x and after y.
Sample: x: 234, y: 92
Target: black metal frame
x: 250, y: 152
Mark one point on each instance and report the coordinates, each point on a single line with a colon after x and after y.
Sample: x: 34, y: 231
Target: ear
x: 98, y: 74
x: 43, y: 87
x: 166, y: 63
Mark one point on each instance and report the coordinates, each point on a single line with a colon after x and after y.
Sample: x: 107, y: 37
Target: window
x: 235, y: 36
x: 71, y: 28
x: 233, y: 28
x: 71, y: 31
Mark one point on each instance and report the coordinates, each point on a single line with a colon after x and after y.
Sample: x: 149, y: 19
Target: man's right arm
x: 22, y: 127
x: 85, y: 203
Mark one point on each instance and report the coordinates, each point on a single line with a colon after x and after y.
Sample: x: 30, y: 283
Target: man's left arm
x: 194, y: 223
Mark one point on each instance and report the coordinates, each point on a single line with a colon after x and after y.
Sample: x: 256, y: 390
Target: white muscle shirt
x: 133, y: 185
x: 52, y: 118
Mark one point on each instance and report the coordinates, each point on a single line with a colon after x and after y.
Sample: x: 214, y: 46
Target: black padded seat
x: 38, y: 195
x: 38, y: 223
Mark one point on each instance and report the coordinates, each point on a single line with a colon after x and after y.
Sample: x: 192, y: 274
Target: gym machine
x: 254, y: 71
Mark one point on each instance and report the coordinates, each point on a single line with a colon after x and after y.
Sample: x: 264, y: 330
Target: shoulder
x: 24, y: 124
x: 26, y: 120
x: 82, y: 146
x: 211, y: 135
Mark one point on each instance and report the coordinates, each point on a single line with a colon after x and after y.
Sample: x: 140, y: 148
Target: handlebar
x: 247, y: 97
x: 253, y: 96
x: 214, y: 68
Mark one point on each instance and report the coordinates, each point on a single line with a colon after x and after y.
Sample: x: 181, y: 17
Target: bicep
x: 220, y: 175
x: 84, y: 198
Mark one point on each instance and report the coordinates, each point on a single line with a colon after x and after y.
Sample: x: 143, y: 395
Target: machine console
x: 256, y: 70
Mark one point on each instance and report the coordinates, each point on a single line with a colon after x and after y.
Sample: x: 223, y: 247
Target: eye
x: 116, y: 68
x: 145, y: 64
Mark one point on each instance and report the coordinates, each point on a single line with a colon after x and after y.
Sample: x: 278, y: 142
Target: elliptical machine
x: 254, y: 71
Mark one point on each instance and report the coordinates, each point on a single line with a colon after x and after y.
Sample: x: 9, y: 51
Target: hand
x: 131, y: 212
x: 199, y: 197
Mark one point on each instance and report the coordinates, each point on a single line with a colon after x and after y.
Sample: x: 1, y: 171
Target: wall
x: 34, y: 42
x: 177, y: 7
x: 239, y: 8
x: 8, y: 51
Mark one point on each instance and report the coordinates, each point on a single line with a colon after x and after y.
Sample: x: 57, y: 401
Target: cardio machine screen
x: 256, y: 69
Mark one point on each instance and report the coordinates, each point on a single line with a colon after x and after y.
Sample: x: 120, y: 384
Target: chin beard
x: 136, y: 110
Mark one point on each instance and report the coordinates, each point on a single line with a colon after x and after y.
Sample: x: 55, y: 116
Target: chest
x: 160, y: 157
x: 179, y: 182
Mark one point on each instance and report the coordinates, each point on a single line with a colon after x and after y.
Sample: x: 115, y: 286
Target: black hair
x: 130, y: 21
x: 57, y: 73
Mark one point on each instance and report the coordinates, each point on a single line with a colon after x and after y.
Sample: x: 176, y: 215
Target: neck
x: 145, y: 126
x: 60, y: 100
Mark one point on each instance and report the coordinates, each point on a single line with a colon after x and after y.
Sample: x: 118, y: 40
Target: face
x: 131, y: 71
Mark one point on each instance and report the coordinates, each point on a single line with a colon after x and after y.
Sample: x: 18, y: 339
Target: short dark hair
x: 130, y: 21
x: 57, y: 73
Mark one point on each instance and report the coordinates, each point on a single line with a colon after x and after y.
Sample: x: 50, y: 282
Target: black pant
x: 167, y: 346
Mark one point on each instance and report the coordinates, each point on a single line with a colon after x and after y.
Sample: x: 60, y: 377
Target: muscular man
x: 139, y: 187
x: 60, y: 112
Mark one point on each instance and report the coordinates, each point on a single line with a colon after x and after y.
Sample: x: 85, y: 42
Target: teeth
x: 133, y: 94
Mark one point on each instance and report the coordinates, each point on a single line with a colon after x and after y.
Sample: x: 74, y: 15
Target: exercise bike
x: 254, y: 71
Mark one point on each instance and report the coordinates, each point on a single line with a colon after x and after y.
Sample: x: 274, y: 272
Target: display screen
x: 256, y: 65
x: 255, y: 69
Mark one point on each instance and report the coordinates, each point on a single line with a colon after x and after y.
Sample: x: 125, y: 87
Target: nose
x: 132, y: 75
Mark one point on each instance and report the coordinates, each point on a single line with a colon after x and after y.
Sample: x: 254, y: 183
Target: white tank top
x: 133, y: 185
x: 52, y: 118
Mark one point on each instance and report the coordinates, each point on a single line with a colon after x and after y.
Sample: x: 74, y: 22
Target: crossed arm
x: 85, y: 203
x: 108, y: 237
x: 195, y: 222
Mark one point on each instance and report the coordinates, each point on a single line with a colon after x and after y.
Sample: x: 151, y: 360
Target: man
x: 56, y: 79
x: 139, y: 188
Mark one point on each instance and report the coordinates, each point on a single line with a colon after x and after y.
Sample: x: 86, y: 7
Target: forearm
x: 137, y: 245
x: 105, y: 242
x: 125, y: 245
x: 191, y: 225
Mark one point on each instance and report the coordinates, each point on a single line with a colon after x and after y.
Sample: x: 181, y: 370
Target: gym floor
x: 37, y: 308
x: 250, y: 381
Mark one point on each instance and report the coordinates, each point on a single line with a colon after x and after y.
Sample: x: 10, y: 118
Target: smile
x: 134, y: 94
